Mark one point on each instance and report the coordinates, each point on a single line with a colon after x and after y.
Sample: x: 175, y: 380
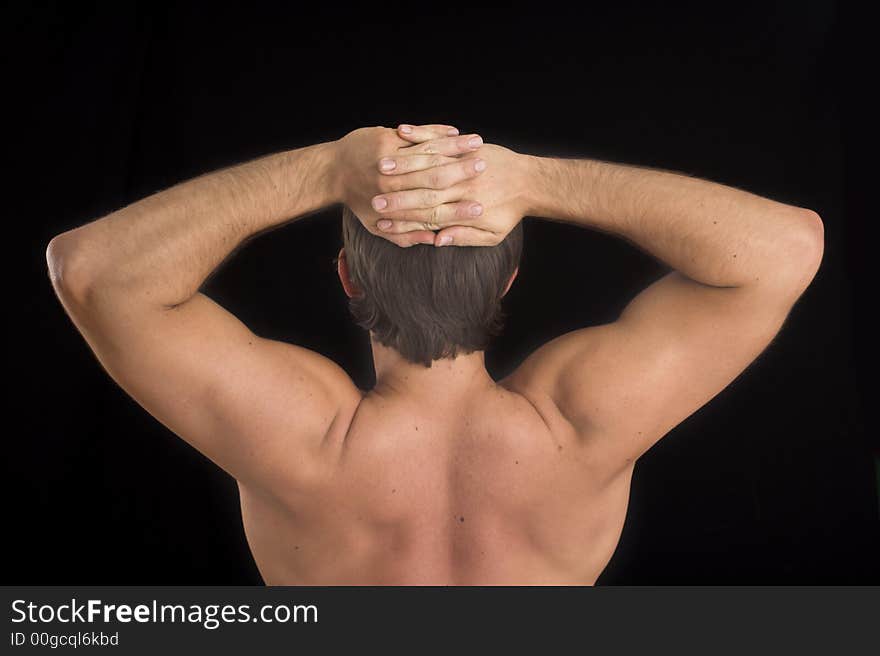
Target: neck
x: 447, y: 379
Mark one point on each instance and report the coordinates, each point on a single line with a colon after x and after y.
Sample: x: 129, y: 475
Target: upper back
x: 494, y: 489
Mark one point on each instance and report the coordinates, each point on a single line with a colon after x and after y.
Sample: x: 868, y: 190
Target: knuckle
x: 385, y: 184
x: 460, y: 176
x: 435, y: 161
x: 435, y: 179
x: 387, y: 139
x: 428, y: 197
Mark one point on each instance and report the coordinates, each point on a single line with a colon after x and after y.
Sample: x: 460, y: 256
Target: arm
x: 741, y: 262
x: 129, y: 281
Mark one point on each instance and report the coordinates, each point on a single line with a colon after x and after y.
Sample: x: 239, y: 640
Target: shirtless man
x: 438, y: 475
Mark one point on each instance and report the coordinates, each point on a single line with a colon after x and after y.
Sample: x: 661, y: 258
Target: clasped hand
x: 427, y: 184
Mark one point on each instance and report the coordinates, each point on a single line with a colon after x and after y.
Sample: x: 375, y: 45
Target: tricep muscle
x: 258, y: 408
x: 675, y: 346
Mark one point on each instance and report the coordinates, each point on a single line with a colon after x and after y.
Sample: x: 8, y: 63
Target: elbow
x: 805, y: 250
x: 812, y: 241
x: 69, y: 270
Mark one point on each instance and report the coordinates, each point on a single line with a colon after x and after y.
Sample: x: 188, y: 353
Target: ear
x: 510, y: 282
x: 351, y: 290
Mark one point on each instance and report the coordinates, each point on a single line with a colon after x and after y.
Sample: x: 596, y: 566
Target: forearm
x: 162, y: 248
x: 712, y: 233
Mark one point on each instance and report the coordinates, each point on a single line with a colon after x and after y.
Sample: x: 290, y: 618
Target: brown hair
x: 427, y: 302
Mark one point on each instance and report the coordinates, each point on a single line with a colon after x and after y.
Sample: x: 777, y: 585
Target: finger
x: 433, y: 218
x: 460, y: 235
x: 449, y: 146
x: 440, y: 177
x: 408, y: 239
x: 399, y: 165
x: 402, y: 227
x: 420, y: 133
x: 414, y: 199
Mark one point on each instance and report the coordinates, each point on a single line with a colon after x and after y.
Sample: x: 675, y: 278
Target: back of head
x: 426, y: 302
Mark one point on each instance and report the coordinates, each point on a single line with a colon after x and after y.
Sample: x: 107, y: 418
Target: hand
x: 430, y: 169
x: 497, y: 198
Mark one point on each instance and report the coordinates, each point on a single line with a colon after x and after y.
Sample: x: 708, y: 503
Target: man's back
x: 438, y: 475
x: 482, y: 492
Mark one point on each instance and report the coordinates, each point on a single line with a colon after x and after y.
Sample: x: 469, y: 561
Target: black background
x: 772, y: 482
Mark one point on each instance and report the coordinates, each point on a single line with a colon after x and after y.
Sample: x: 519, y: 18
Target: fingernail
x: 387, y: 164
x: 476, y: 210
x: 452, y: 132
x: 384, y: 224
x: 475, y: 142
x: 445, y: 240
x: 406, y: 129
x: 380, y: 203
x: 480, y: 165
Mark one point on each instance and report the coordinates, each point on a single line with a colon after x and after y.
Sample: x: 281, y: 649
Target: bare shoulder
x: 537, y: 378
x: 626, y: 384
x: 256, y: 407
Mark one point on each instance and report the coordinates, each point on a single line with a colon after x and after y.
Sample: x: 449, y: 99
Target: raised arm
x: 741, y: 262
x: 129, y: 281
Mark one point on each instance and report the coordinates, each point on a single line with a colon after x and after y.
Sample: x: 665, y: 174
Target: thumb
x: 459, y: 235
